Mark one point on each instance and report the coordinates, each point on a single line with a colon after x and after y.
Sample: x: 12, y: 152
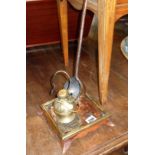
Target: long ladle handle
x: 80, y: 38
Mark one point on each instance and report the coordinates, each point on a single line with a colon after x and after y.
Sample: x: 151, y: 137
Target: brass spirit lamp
x: 64, y: 107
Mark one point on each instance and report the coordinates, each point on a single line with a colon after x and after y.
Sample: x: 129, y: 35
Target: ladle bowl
x: 73, y: 86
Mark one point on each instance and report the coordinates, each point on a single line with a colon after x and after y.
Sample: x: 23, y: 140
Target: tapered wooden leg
x: 63, y: 22
x: 106, y: 20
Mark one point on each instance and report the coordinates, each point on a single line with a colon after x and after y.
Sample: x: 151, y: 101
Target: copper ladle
x: 74, y: 85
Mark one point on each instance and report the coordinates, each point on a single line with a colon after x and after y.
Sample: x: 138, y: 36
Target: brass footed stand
x: 89, y: 117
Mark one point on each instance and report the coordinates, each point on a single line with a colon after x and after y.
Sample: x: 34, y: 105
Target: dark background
x: 42, y: 25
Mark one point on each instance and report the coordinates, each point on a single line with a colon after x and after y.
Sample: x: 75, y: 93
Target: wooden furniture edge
x: 110, y: 146
x: 121, y: 8
x: 48, y: 43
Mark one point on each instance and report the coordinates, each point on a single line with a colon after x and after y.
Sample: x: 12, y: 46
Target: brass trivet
x: 89, y: 114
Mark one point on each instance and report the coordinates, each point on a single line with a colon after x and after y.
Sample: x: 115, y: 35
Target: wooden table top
x: 41, y: 65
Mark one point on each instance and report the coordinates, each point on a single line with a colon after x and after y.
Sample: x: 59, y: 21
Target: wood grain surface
x: 106, y: 22
x: 121, y: 7
x: 41, y: 64
x: 63, y: 24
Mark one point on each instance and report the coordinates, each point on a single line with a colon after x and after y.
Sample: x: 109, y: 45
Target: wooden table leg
x: 63, y: 22
x: 106, y: 20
